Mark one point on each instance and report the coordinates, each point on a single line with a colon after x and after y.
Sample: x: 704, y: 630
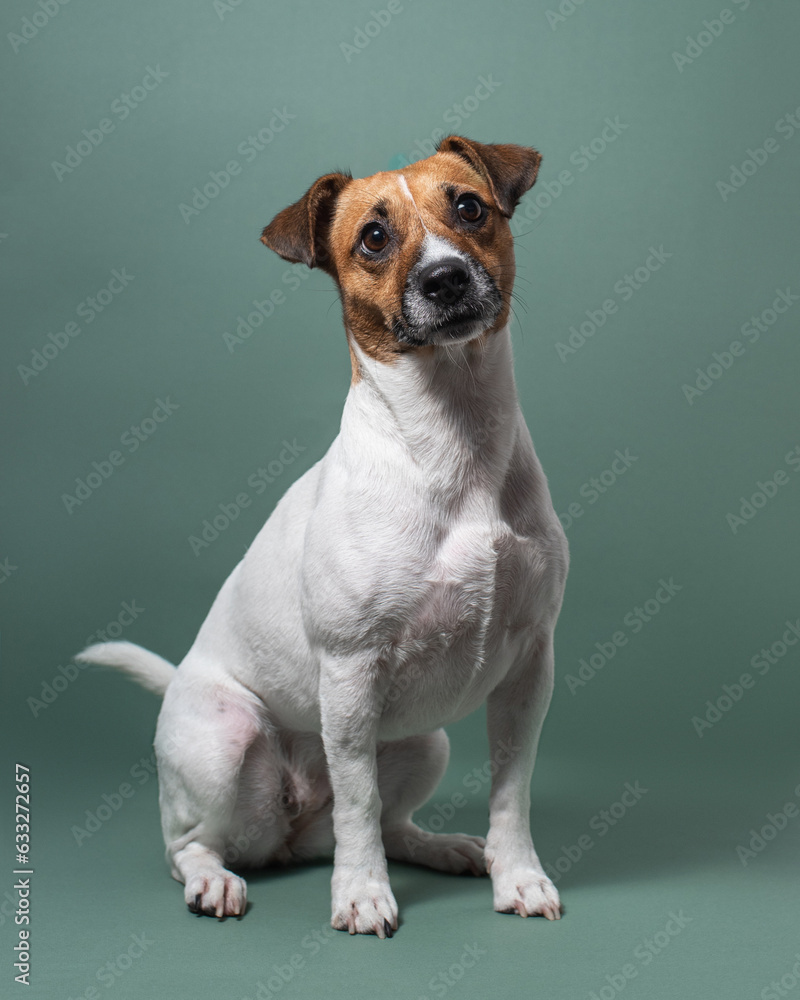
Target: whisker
x: 533, y: 229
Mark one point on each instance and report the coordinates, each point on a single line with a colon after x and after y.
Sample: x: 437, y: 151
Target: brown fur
x: 323, y: 230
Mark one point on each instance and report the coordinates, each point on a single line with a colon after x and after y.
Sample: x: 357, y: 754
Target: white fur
x: 150, y: 670
x: 437, y: 248
x: 413, y: 573
x: 407, y: 192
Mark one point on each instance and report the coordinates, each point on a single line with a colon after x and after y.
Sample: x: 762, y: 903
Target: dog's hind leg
x: 408, y: 772
x: 212, y: 738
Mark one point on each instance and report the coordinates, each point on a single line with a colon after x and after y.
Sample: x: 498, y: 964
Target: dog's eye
x: 374, y: 238
x: 469, y: 209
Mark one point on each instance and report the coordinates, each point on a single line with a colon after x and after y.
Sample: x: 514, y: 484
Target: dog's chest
x: 472, y: 615
x: 463, y: 592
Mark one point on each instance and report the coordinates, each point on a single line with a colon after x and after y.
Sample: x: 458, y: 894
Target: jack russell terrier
x: 412, y: 574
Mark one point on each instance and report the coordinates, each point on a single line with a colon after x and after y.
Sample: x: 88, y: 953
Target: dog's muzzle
x: 448, y: 298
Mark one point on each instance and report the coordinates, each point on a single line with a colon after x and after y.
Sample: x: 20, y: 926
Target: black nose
x: 445, y: 281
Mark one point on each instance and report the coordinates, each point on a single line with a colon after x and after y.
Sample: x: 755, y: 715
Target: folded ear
x: 509, y: 170
x: 300, y: 233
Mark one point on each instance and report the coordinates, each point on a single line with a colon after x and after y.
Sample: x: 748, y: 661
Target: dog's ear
x: 300, y: 233
x: 509, y: 170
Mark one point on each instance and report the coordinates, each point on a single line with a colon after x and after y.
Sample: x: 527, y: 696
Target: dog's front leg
x: 362, y: 900
x: 515, y: 713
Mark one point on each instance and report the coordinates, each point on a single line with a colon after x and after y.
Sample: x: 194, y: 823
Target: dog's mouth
x: 446, y: 331
x: 424, y: 323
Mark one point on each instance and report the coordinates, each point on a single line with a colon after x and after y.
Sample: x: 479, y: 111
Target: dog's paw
x: 526, y: 891
x: 216, y: 893
x: 446, y: 852
x: 454, y: 852
x: 364, y: 907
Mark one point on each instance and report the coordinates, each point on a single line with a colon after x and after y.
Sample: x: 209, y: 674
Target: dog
x: 414, y: 573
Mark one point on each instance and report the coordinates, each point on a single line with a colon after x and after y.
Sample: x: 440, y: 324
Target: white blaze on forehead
x: 407, y: 192
x: 433, y: 247
x: 406, y: 189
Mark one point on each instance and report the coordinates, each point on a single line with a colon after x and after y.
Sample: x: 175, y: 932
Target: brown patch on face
x: 492, y: 244
x: 372, y: 286
x: 509, y: 170
x: 341, y: 224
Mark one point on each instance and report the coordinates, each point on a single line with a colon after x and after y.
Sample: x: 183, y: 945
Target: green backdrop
x: 156, y: 357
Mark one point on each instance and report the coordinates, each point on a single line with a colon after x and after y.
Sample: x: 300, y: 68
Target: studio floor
x: 666, y: 893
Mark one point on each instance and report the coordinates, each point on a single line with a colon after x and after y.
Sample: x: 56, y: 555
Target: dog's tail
x: 150, y: 670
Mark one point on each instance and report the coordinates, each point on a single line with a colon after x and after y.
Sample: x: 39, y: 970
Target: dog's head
x: 423, y: 256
